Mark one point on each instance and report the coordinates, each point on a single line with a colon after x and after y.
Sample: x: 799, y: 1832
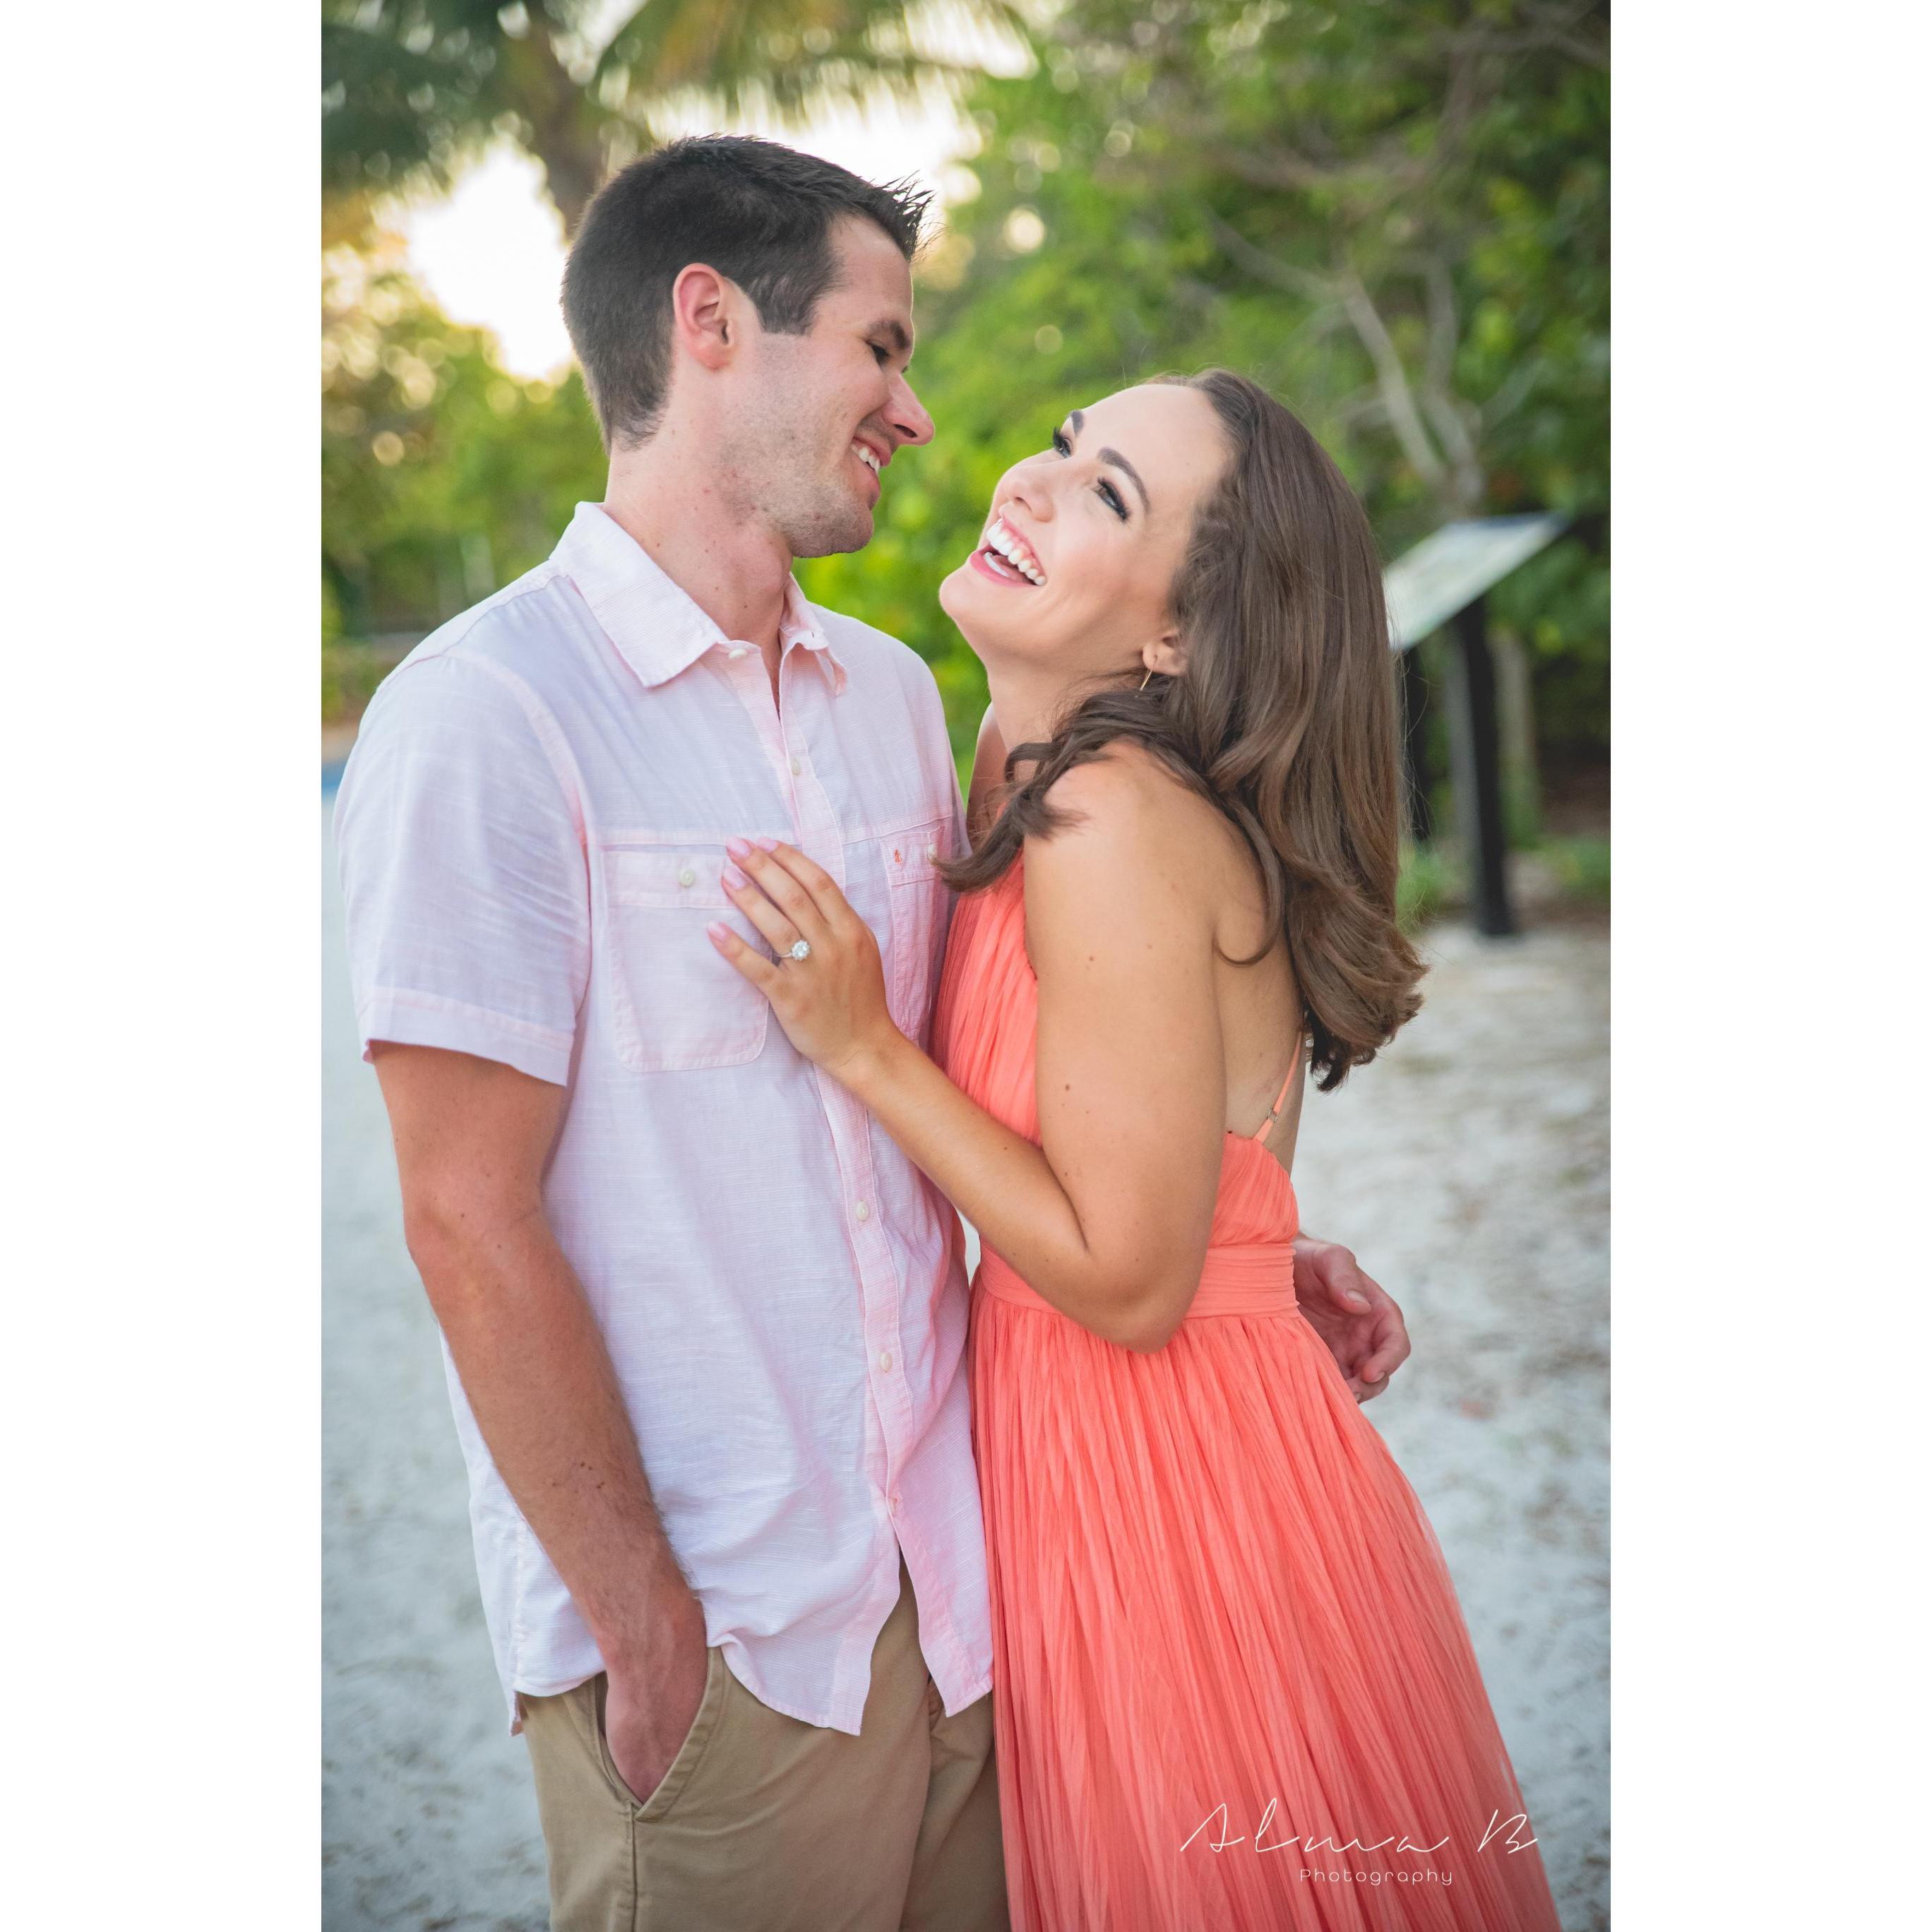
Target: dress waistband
x: 1255, y: 1279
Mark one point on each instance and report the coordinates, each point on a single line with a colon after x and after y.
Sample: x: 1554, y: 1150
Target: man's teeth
x: 866, y: 456
x: 1000, y: 539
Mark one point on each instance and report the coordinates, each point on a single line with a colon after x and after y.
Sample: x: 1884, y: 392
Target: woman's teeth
x: 1000, y: 539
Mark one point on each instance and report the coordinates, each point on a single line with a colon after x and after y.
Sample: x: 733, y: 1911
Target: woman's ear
x: 1167, y: 655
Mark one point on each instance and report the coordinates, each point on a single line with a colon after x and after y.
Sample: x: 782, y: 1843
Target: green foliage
x: 1396, y: 215
x: 1574, y: 872
x: 350, y: 673
x: 410, y: 88
x: 1422, y: 888
x: 1581, y: 867
x: 441, y: 476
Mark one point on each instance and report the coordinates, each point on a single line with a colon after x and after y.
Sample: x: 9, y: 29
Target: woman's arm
x: 1109, y: 1220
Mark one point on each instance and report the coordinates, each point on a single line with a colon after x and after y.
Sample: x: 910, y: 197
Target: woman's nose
x: 1027, y: 489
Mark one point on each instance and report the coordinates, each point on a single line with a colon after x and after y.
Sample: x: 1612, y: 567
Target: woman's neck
x: 1026, y: 702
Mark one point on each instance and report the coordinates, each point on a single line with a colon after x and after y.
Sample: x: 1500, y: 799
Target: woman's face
x: 1082, y: 541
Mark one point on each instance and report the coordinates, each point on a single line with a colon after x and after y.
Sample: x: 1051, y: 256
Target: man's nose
x: 907, y: 414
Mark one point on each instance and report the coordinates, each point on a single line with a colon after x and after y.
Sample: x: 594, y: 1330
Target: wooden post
x: 1516, y: 705
x: 1479, y: 803
x: 1415, y: 744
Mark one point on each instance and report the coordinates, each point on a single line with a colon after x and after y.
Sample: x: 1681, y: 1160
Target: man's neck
x: 734, y: 568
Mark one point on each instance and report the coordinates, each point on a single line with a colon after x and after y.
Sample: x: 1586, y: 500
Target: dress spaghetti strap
x: 1294, y: 1068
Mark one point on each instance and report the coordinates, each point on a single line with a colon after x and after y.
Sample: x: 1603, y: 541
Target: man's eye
x: 880, y: 350
x: 1061, y: 446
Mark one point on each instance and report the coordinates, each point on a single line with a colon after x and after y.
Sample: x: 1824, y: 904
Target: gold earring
x: 1148, y: 679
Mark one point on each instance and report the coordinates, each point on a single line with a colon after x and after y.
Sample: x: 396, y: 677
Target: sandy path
x: 1469, y: 1167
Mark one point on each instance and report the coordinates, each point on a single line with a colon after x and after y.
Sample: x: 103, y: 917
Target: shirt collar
x: 658, y: 629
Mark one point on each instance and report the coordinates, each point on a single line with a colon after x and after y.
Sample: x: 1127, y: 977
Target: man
x: 703, y: 1322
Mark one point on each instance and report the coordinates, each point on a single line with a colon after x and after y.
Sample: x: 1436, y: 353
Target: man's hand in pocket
x: 650, y: 1706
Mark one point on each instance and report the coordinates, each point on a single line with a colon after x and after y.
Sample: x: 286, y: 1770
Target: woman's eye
x: 1061, y: 446
x: 1112, y: 498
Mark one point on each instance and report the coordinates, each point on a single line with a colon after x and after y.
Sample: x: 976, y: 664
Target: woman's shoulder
x: 1130, y: 801
x: 1120, y: 901
x: 1134, y: 840
x: 1134, y: 823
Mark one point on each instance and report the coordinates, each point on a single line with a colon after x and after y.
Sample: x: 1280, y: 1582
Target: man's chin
x: 848, y: 529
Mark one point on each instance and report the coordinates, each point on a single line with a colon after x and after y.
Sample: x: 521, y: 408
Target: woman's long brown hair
x: 1283, y: 718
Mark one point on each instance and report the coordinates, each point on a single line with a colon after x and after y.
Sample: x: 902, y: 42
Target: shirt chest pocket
x: 919, y: 901
x: 673, y: 1003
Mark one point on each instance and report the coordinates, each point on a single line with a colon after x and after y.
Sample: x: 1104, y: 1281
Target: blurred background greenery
x: 1395, y: 213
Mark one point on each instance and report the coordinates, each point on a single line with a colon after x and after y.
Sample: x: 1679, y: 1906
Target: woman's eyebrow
x: 1076, y: 417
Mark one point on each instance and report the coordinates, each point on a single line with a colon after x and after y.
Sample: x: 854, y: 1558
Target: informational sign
x: 1447, y: 571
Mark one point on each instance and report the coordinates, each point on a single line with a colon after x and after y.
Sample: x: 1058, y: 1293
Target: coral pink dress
x: 1213, y: 1591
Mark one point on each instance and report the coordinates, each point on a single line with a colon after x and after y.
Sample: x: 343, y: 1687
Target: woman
x: 1232, y: 1684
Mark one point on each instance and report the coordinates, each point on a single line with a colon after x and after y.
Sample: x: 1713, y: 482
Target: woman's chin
x: 955, y: 591
x: 991, y: 619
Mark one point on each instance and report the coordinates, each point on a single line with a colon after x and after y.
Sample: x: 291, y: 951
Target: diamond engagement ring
x: 799, y: 950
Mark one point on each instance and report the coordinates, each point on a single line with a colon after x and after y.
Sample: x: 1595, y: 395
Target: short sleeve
x: 463, y: 874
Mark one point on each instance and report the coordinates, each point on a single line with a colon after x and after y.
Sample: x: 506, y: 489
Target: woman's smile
x: 1006, y: 557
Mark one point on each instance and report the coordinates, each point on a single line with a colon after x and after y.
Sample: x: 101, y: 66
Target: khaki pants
x: 764, y: 1824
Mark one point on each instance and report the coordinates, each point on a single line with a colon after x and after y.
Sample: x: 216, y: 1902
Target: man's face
x: 813, y: 414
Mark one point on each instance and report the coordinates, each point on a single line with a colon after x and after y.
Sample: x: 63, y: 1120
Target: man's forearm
x: 539, y: 1381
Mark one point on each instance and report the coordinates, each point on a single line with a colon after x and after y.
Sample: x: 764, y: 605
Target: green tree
x: 412, y: 88
x: 441, y: 476
x: 1395, y: 216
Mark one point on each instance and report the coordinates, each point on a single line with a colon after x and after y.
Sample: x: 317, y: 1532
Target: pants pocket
x: 678, y: 1775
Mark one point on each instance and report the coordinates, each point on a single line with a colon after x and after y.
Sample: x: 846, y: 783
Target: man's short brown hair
x: 757, y: 212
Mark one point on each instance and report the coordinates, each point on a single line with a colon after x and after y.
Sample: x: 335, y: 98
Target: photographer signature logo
x: 1500, y: 1830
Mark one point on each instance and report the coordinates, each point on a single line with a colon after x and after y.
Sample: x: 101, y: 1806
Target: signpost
x: 1444, y: 582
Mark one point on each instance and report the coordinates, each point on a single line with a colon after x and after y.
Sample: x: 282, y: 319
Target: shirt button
x: 895, y: 1499
x: 886, y: 1362
x: 797, y: 765
x: 863, y: 1213
x: 932, y: 851
x: 735, y: 652
x: 687, y: 877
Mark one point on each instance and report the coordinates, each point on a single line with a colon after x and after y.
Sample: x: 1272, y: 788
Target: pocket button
x: 687, y: 877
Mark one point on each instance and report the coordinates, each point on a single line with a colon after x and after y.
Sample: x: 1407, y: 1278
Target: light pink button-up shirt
x: 532, y: 828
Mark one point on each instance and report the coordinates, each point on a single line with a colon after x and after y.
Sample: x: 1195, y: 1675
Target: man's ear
x: 705, y: 308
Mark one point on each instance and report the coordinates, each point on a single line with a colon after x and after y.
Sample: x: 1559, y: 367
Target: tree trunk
x: 563, y: 134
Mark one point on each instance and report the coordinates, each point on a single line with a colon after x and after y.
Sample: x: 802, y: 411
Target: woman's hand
x: 831, y: 1004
